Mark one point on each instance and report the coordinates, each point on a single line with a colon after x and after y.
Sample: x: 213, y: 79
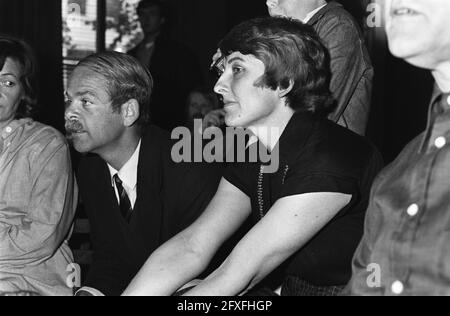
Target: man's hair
x: 145, y: 4
x: 21, y: 53
x: 291, y: 52
x: 126, y: 79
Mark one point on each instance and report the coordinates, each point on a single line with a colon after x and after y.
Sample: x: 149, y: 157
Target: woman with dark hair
x: 38, y: 193
x: 308, y: 214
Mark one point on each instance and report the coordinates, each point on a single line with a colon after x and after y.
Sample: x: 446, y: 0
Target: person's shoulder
x: 338, y: 148
x: 335, y: 18
x: 345, y: 139
x: 154, y: 137
x: 336, y: 11
x: 42, y: 135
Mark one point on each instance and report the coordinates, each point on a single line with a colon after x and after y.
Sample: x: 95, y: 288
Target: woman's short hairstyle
x: 21, y: 53
x: 126, y: 79
x: 292, y: 53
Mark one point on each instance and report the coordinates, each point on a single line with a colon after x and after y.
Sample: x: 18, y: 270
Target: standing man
x: 135, y: 196
x: 174, y: 67
x: 351, y: 68
x: 406, y: 245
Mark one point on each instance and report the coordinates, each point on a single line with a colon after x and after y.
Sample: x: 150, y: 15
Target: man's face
x: 11, y: 90
x: 151, y: 19
x: 297, y: 9
x: 91, y: 122
x: 280, y: 7
x: 419, y: 31
x: 246, y: 103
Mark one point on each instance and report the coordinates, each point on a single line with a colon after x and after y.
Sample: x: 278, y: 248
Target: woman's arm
x: 186, y: 255
x: 287, y: 227
x: 34, y: 234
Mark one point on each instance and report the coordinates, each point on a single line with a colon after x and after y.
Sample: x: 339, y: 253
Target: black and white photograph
x: 225, y: 153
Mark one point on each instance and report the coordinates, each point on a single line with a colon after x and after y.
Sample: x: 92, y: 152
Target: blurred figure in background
x: 175, y: 69
x: 38, y: 194
x: 200, y: 104
x: 351, y: 68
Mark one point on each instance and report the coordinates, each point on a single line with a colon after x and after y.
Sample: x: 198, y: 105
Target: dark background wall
x: 401, y: 91
x: 39, y: 23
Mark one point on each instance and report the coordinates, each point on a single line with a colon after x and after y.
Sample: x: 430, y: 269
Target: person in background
x: 38, y: 193
x: 175, y: 69
x: 308, y: 214
x: 200, y: 104
x: 135, y: 195
x: 351, y: 69
x: 406, y: 245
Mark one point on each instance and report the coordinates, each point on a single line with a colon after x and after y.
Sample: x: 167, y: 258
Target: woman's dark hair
x: 292, y: 53
x: 21, y: 53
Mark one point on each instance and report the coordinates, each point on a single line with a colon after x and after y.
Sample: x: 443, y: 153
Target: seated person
x: 38, y: 193
x: 136, y: 197
x: 309, y: 214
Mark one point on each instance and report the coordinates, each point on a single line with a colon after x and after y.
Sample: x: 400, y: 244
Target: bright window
x: 80, y: 29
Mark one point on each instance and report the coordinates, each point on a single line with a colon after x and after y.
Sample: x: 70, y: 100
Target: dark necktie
x: 124, y: 201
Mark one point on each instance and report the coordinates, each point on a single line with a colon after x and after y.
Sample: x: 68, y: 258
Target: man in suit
x: 351, y: 69
x: 174, y: 67
x: 135, y: 196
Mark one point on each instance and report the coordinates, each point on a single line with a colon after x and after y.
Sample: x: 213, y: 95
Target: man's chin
x: 80, y: 146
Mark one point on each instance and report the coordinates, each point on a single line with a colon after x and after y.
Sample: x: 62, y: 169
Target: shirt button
x: 398, y: 288
x: 440, y: 142
x: 413, y: 210
x: 8, y: 129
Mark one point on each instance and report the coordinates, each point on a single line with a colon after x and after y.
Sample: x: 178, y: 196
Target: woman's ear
x: 284, y: 92
x: 130, y: 112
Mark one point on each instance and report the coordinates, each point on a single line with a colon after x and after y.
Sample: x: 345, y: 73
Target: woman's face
x: 11, y: 91
x: 246, y: 103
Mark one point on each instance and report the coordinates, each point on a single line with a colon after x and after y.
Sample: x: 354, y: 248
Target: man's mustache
x: 74, y: 126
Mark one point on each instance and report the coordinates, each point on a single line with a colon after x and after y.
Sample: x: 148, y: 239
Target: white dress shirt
x: 128, y: 176
x: 310, y: 15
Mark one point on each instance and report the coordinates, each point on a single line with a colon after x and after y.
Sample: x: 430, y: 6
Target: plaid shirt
x: 406, y: 246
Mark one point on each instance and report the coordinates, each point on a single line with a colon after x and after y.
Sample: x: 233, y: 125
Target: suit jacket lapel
x: 106, y: 189
x: 147, y: 214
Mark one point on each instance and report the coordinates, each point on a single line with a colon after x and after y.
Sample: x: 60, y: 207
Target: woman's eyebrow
x: 235, y: 59
x: 8, y: 74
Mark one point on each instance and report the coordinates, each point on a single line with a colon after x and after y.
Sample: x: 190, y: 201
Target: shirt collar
x: 438, y: 117
x: 9, y: 129
x: 310, y: 15
x: 128, y: 173
x: 330, y: 6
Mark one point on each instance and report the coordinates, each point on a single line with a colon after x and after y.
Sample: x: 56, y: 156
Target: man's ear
x: 284, y: 92
x: 130, y: 112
